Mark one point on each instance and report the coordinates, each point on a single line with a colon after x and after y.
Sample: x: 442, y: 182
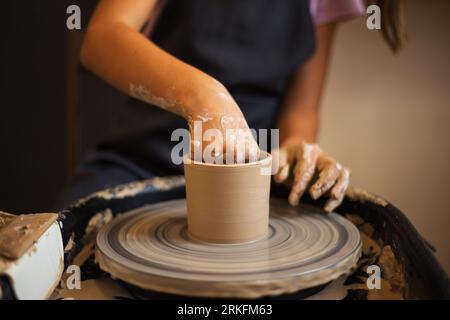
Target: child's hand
x: 303, y: 160
x: 220, y: 126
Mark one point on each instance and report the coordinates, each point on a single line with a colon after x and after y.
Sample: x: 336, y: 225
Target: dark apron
x: 250, y: 46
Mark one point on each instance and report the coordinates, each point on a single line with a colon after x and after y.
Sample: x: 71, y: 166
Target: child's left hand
x: 302, y: 161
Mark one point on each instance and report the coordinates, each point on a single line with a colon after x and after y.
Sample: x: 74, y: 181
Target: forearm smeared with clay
x: 115, y: 50
x: 299, y: 155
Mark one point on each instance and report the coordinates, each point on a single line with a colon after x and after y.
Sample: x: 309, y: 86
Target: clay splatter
x: 132, y: 189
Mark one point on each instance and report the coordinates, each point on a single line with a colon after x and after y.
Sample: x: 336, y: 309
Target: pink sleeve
x: 324, y: 11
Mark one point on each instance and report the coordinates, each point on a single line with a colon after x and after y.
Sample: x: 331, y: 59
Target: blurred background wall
x: 384, y: 116
x: 388, y: 117
x: 33, y: 148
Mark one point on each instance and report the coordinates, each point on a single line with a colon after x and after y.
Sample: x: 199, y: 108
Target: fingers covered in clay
x: 303, y: 172
x: 220, y: 133
x: 242, y: 147
x: 305, y: 161
x: 280, y: 165
x: 338, y: 191
x: 329, y: 171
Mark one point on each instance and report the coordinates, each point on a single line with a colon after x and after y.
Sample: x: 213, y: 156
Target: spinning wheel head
x: 150, y: 247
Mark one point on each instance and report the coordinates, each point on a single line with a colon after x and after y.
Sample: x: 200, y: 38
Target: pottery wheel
x: 149, y: 247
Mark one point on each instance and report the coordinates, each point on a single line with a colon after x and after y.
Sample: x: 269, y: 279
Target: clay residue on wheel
x: 134, y: 188
x: 375, y: 252
x: 97, y: 221
x: 393, y: 271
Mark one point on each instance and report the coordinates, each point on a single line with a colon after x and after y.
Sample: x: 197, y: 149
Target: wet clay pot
x: 228, y: 203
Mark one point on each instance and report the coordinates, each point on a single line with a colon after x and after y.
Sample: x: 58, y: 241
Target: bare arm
x: 116, y: 51
x: 298, y: 123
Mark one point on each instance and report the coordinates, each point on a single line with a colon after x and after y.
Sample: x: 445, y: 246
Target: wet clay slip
x: 228, y: 203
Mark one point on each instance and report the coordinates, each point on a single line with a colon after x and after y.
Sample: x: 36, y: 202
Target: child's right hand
x: 218, y: 115
x: 115, y: 50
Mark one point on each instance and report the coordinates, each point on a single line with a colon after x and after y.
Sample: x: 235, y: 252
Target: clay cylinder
x: 228, y: 203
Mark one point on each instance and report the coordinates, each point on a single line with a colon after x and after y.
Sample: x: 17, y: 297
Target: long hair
x: 392, y: 22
